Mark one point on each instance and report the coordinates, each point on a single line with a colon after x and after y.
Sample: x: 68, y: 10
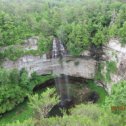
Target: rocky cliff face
x: 111, y: 61
x: 78, y: 67
x: 114, y: 64
x: 29, y: 62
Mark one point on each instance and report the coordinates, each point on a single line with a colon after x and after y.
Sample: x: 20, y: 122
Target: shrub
x: 43, y: 104
x: 10, y: 96
x: 29, y: 122
x: 88, y: 110
x: 15, y: 86
x: 117, y: 97
x: 122, y: 32
x: 79, y: 117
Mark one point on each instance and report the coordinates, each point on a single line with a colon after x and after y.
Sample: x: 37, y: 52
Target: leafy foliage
x: 15, y: 86
x: 29, y: 122
x: 116, y: 102
x: 78, y: 24
x: 110, y: 67
x: 101, y: 91
x: 81, y: 115
x: 11, y: 92
x: 122, y: 33
x: 118, y: 96
x: 43, y: 104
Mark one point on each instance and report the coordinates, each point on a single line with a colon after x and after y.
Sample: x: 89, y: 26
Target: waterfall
x: 58, y: 50
x: 62, y: 81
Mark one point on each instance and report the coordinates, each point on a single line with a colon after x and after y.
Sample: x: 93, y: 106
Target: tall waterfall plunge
x: 62, y: 81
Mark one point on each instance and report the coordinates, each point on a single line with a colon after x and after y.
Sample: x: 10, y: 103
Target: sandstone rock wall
x: 77, y: 67
x: 115, y: 52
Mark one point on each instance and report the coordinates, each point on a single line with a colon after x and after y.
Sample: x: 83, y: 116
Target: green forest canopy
x: 77, y: 23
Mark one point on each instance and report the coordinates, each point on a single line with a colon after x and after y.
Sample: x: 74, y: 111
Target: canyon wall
x: 77, y: 67
x: 86, y: 67
x: 115, y: 56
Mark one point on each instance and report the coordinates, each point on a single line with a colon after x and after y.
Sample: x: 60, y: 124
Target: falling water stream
x: 62, y: 81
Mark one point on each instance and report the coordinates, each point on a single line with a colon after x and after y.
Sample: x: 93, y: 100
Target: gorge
x: 62, y: 63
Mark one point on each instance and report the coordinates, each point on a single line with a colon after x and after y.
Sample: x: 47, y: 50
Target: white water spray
x: 62, y: 81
